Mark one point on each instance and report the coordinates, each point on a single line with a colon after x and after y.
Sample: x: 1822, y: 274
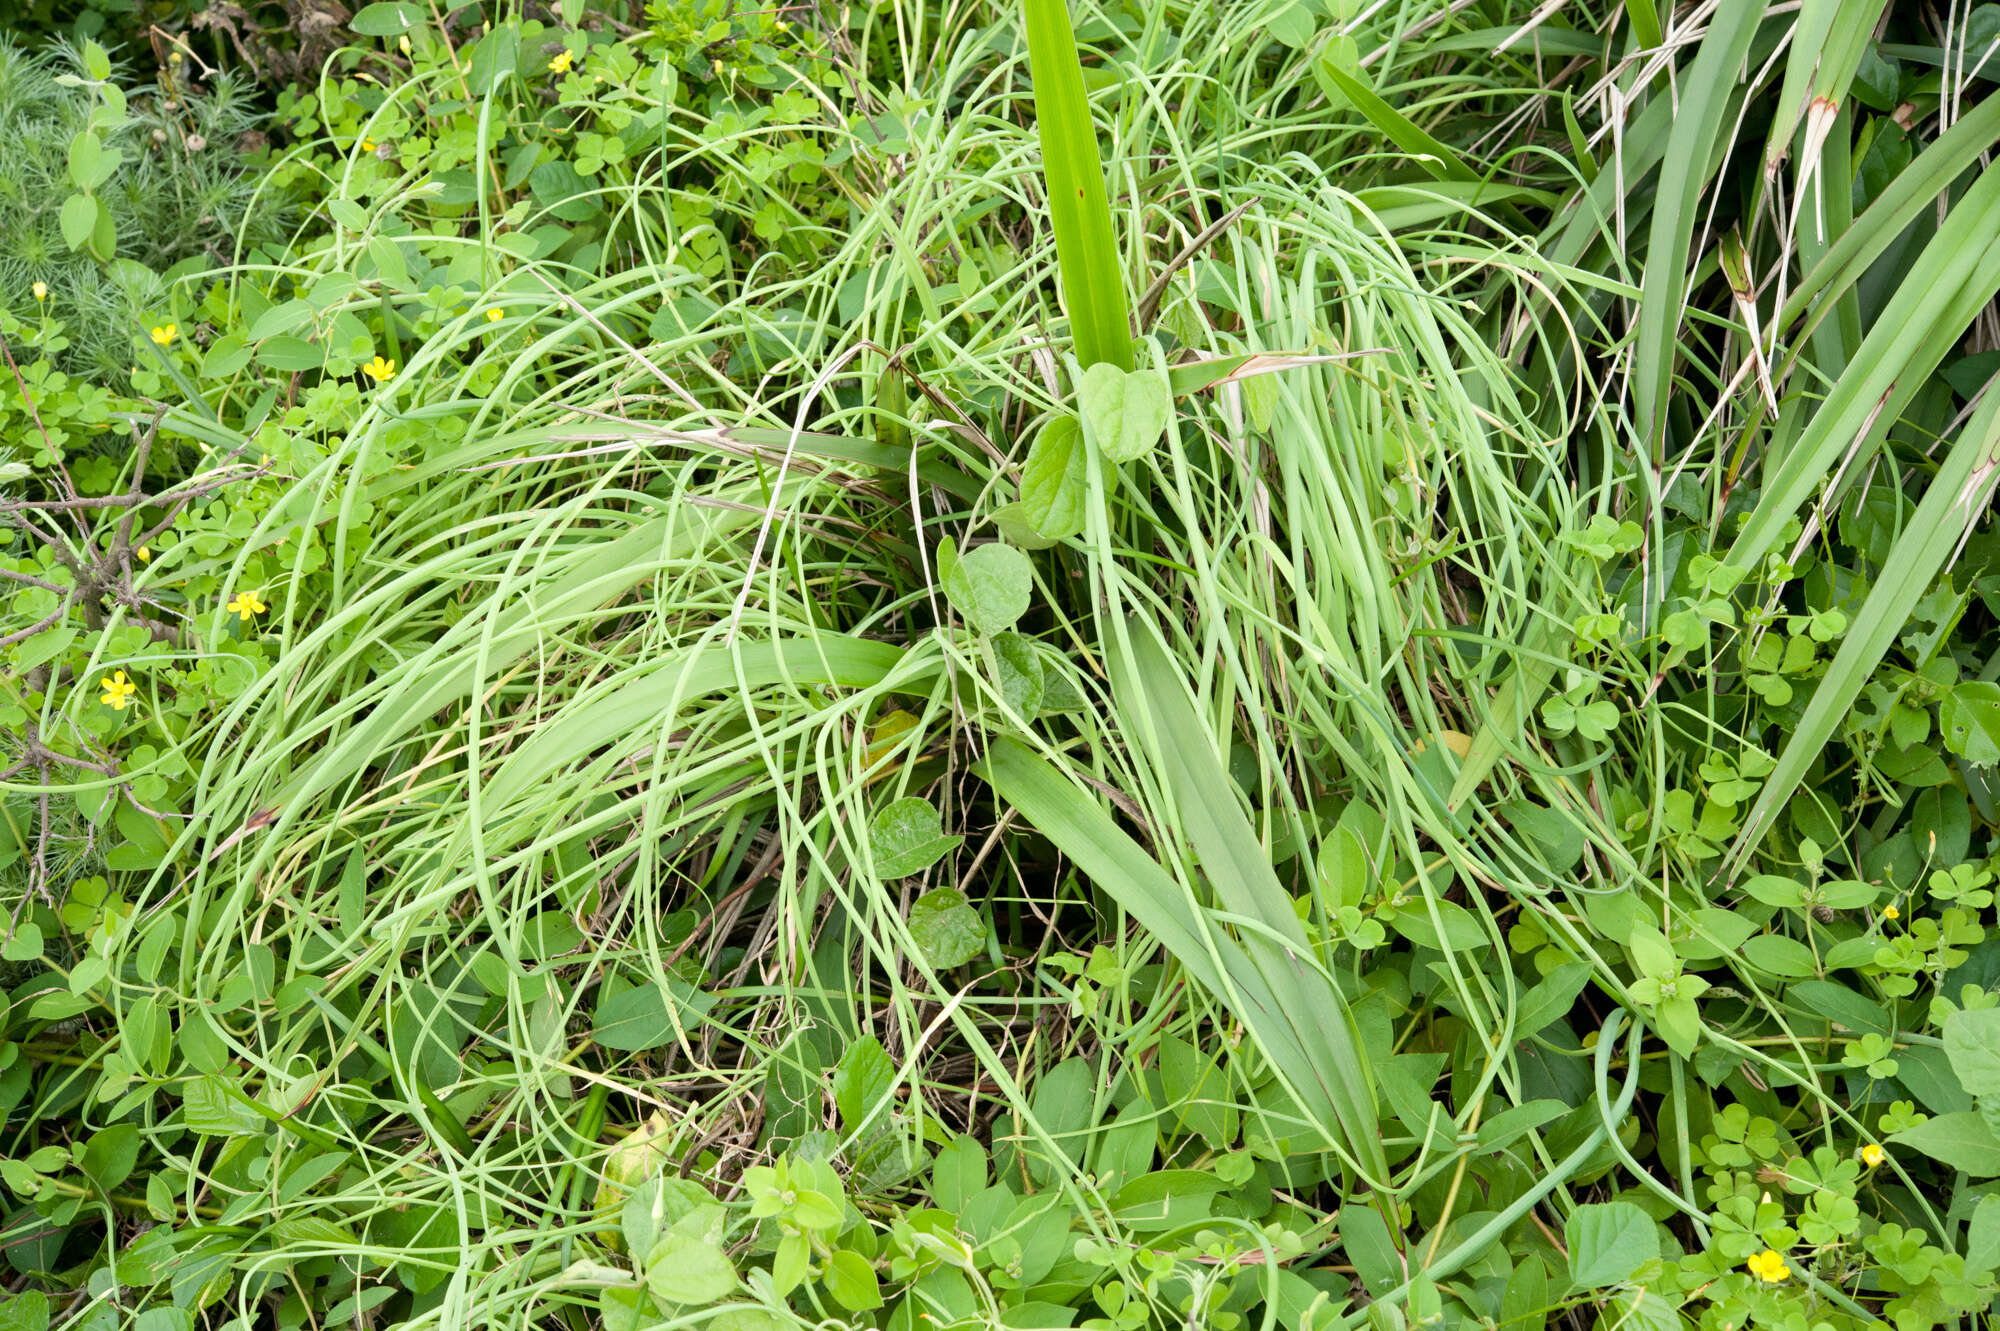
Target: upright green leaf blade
x: 1093, y: 279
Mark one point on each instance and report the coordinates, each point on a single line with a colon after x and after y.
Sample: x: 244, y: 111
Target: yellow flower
x: 494, y: 316
x: 246, y: 606
x: 118, y: 690
x: 1769, y: 1266
x: 562, y: 62
x: 145, y: 553
x: 165, y: 334
x: 41, y: 291
x: 1873, y: 1155
x: 1890, y: 912
x: 368, y: 145
x: 379, y: 369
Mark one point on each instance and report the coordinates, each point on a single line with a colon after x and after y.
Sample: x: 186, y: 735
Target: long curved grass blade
x: 1111, y: 859
x: 639, y: 702
x: 1913, y: 190
x: 1951, y: 282
x: 1827, y: 46
x: 1957, y: 498
x: 1693, y: 150
x: 1093, y: 279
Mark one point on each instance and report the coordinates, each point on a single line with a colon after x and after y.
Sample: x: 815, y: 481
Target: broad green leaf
x: 991, y: 584
x: 1608, y: 1241
x: 861, y: 1081
x: 1064, y: 1105
x: 1020, y: 674
x: 689, y: 1269
x: 213, y: 1107
x: 1838, y: 1003
x: 388, y: 18
x: 108, y: 1157
x: 1970, y: 722
x: 851, y: 1279
x: 1961, y: 1140
x: 907, y: 837
x: 1651, y: 953
x: 642, y: 1017
x: 79, y: 220
x: 1972, y: 1043
x: 25, y: 1311
x: 1778, y: 955
x: 1054, y: 480
x: 949, y: 931
x: 24, y: 944
x: 1982, y: 1239
x: 1125, y: 413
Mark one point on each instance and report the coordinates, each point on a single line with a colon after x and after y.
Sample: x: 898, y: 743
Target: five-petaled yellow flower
x: 41, y: 291
x: 165, y: 334
x: 368, y: 145
x: 1873, y: 1155
x: 1889, y: 912
x: 118, y: 691
x: 379, y: 369
x: 247, y: 606
x: 562, y: 62
x: 494, y: 316
x: 1769, y: 1266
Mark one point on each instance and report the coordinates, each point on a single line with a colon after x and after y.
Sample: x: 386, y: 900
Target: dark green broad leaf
x: 388, y: 18
x: 1972, y: 1043
x: 1961, y: 1140
x: 1838, y: 1003
x: 948, y: 930
x: 1608, y: 1241
x: 641, y: 1016
x: 907, y: 837
x: 861, y: 1081
x: 109, y: 1156
x: 1018, y: 672
x: 1970, y: 719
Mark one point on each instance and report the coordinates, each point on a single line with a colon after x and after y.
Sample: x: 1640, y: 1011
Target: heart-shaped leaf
x: 908, y: 837
x: 947, y: 929
x: 1053, y: 477
x: 1124, y: 413
x: 990, y: 584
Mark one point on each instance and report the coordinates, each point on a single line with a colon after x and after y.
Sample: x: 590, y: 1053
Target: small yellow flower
x: 1769, y: 1266
x: 368, y: 145
x: 494, y: 316
x: 118, y: 691
x: 562, y: 62
x: 247, y: 607
x: 41, y: 291
x: 403, y: 43
x: 379, y: 369
x: 165, y: 334
x: 145, y: 553
x: 1890, y: 912
x: 1873, y: 1155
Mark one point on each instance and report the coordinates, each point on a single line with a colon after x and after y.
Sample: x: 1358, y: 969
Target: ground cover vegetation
x: 1296, y: 663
